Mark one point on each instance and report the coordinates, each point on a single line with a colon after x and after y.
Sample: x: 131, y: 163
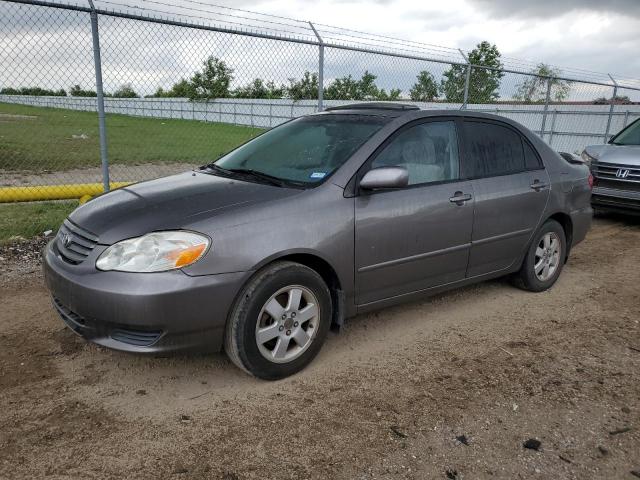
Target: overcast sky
x: 52, y: 47
x: 598, y: 35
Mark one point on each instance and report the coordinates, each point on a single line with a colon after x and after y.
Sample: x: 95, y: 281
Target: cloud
x: 52, y: 47
x: 554, y: 8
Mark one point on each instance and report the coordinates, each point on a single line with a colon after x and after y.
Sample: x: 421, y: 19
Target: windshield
x: 303, y: 151
x: 628, y: 136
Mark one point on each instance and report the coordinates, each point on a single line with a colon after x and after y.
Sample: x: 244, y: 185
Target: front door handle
x: 459, y: 198
x: 537, y: 185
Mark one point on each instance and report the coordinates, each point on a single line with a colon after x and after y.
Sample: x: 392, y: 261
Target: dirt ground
x: 447, y: 388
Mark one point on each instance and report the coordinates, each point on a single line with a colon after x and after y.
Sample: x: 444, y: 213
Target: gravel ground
x: 451, y: 387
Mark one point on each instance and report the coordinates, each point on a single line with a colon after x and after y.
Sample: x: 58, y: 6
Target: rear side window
x: 492, y: 150
x: 531, y: 159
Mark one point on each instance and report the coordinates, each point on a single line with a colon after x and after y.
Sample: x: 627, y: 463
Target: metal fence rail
x: 126, y: 72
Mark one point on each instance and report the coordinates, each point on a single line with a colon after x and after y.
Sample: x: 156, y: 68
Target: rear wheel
x: 279, y: 321
x: 544, y: 260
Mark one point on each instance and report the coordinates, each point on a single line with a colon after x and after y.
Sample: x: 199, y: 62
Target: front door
x: 416, y: 237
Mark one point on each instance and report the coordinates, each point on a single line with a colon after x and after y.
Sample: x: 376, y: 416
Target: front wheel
x: 544, y: 260
x: 279, y: 321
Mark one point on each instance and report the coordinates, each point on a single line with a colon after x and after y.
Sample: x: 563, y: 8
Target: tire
x: 290, y: 337
x: 532, y: 275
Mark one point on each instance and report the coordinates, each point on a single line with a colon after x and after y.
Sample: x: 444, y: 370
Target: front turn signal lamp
x: 154, y: 252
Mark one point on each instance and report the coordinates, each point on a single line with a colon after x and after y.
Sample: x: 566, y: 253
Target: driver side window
x: 429, y: 152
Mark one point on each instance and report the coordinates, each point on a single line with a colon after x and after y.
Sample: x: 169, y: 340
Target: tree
x: 182, y: 89
x: 394, y: 94
x: 618, y: 100
x: 483, y: 82
x: 425, y: 89
x: 259, y: 89
x: 212, y: 82
x: 304, y: 89
x: 348, y: 88
x: 367, y: 89
x: 125, y: 91
x: 37, y: 91
x: 534, y: 88
x: 76, y: 91
x: 345, y: 88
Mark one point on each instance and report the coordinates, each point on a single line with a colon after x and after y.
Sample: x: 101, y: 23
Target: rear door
x: 511, y: 189
x: 416, y: 237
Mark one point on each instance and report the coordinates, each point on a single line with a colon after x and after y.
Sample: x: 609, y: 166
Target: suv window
x: 429, y: 152
x: 492, y: 150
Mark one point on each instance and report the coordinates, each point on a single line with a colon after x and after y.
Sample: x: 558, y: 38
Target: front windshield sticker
x: 317, y: 175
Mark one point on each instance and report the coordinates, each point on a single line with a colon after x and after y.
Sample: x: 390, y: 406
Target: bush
x: 125, y: 91
x: 76, y: 91
x: 37, y: 91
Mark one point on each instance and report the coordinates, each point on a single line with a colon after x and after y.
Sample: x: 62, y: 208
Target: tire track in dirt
x: 386, y: 398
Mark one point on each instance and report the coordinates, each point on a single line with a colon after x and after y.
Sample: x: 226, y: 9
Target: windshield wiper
x: 222, y: 171
x: 273, y: 180
x: 254, y: 174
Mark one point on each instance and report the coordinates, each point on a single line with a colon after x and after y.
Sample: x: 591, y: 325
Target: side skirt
x: 421, y: 294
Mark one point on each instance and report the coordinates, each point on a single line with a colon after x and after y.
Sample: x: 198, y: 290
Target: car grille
x: 74, y: 243
x: 74, y: 320
x: 612, y: 175
x: 119, y: 333
x: 138, y: 338
x: 613, y: 184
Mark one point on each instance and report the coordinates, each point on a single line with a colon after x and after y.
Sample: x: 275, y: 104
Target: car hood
x: 618, y: 154
x: 169, y: 203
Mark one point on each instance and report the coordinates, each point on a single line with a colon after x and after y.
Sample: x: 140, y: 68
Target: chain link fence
x: 93, y: 97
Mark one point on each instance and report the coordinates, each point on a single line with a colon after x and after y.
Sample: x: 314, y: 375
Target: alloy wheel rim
x: 547, y: 256
x: 287, y: 324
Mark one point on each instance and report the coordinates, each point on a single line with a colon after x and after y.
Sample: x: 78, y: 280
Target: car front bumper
x: 616, y: 200
x: 141, y: 312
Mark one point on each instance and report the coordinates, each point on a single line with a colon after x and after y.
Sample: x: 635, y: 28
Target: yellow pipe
x: 54, y: 192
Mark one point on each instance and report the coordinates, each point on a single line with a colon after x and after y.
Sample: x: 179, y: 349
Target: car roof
x: 394, y: 110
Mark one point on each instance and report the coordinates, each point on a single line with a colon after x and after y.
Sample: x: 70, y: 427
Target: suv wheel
x: 279, y: 321
x: 544, y: 260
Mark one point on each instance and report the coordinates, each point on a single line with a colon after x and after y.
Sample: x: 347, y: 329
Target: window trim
x: 466, y: 162
x: 525, y: 141
x: 354, y: 183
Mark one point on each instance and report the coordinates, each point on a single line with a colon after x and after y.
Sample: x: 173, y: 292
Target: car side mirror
x: 385, y: 177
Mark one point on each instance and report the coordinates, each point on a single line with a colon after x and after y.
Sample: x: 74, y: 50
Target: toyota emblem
x: 66, y: 239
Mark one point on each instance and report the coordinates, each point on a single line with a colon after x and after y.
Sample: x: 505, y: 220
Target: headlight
x: 588, y: 159
x: 154, y: 252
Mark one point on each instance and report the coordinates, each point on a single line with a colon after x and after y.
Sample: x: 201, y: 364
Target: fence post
x: 611, y: 106
x: 553, y: 124
x: 320, y: 68
x: 626, y: 118
x: 546, y: 107
x: 467, y: 80
x: 102, y: 129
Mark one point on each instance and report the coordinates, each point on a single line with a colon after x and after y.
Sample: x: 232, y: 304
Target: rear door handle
x: 537, y: 185
x: 459, y: 198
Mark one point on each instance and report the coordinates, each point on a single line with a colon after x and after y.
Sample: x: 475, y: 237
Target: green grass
x: 42, y: 139
x: 29, y: 219
x: 37, y: 140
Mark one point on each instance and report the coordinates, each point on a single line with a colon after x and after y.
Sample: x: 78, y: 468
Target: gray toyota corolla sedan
x: 314, y: 221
